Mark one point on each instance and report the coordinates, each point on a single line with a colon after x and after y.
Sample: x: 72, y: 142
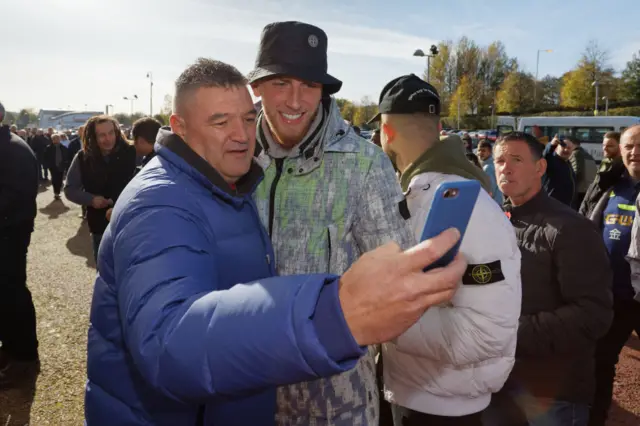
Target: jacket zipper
x: 329, y: 250
x: 272, y: 196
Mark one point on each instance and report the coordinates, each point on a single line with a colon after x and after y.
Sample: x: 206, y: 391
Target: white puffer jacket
x: 452, y: 360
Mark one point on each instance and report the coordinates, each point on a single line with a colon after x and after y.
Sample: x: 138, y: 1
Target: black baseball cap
x: 408, y: 94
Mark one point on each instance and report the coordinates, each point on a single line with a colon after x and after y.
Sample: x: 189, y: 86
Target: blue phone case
x: 453, y: 203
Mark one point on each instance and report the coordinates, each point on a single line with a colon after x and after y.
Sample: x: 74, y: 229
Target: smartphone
x: 452, y: 205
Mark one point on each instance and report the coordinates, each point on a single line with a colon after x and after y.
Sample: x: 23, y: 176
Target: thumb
x: 427, y: 252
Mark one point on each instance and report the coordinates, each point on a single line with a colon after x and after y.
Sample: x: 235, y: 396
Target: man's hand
x: 99, y: 202
x: 385, y: 292
x: 108, y: 214
x: 555, y: 141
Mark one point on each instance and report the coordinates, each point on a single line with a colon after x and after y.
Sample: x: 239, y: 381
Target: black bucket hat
x: 297, y: 50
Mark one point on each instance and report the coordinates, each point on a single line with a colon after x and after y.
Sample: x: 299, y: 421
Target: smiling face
x: 219, y: 124
x: 290, y: 105
x: 630, y: 151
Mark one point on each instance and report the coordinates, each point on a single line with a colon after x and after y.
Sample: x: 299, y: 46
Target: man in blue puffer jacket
x: 174, y: 339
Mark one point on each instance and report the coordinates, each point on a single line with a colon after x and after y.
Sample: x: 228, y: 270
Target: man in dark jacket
x: 611, y: 170
x: 559, y: 181
x: 56, y: 159
x: 75, y: 145
x: 18, y: 191
x: 615, y: 216
x: 98, y: 175
x: 38, y: 144
x: 584, y: 168
x: 174, y: 338
x: 566, y: 295
x: 144, y: 132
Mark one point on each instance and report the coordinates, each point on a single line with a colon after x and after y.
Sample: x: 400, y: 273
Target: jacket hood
x: 448, y: 157
x: 174, y: 149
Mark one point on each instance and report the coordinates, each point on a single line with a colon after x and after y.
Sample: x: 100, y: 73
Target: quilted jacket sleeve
x: 192, y: 343
x: 481, y: 321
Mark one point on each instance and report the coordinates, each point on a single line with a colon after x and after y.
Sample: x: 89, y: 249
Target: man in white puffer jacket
x: 443, y: 370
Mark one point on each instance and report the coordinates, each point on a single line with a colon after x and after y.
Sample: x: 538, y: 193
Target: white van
x: 589, y: 131
x: 505, y: 124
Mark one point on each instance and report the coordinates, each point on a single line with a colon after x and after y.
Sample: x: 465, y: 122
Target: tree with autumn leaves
x: 477, y: 81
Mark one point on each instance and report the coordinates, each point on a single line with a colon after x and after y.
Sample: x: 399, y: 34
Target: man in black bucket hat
x: 328, y: 196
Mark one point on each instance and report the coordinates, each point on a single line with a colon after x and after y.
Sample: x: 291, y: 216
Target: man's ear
x: 177, y: 125
x: 541, y: 167
x: 389, y: 131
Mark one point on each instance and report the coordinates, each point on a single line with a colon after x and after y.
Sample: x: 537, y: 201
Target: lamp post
x: 150, y: 77
x: 606, y: 105
x: 112, y: 108
x: 596, y: 84
x: 535, y: 86
x: 433, y: 51
x: 132, y: 99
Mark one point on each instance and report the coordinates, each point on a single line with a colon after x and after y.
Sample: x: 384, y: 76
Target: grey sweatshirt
x: 73, y: 189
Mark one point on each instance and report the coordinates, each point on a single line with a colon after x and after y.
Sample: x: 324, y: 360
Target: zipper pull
x: 268, y: 260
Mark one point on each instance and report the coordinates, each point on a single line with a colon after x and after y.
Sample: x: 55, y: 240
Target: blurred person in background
x: 584, y: 168
x: 611, y: 170
x: 38, y: 144
x: 144, y: 132
x: 56, y: 159
x: 99, y: 173
x: 18, y: 192
x: 486, y: 160
x: 559, y: 179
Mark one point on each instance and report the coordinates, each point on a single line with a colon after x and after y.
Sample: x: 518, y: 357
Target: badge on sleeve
x: 482, y: 274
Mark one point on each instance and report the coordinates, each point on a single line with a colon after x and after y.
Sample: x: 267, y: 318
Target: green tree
x: 443, y: 72
x: 462, y: 98
x: 549, y: 89
x: 577, y: 88
x: 516, y: 93
x: 630, y: 81
x: 347, y: 109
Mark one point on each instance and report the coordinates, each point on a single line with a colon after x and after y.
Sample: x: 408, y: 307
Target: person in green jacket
x: 328, y: 197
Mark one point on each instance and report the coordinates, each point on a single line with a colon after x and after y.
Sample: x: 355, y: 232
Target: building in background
x: 62, y: 120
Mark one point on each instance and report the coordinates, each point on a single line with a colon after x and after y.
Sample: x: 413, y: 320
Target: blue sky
x: 72, y: 53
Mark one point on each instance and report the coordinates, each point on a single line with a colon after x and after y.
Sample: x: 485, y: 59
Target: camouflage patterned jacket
x: 327, y: 207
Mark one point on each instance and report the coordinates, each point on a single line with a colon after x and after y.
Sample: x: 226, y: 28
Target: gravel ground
x: 61, y: 274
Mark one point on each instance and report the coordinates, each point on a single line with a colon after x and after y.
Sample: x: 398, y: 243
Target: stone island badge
x: 482, y: 274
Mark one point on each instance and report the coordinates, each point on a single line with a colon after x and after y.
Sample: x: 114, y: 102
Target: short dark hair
x: 535, y: 146
x: 146, y: 128
x: 613, y: 135
x: 484, y: 144
x: 206, y: 73
x: 472, y: 157
x: 572, y: 139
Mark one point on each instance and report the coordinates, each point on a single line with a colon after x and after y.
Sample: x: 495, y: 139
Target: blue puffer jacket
x: 173, y: 340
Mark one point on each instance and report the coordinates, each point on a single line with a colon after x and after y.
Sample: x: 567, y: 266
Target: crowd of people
x: 261, y: 264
